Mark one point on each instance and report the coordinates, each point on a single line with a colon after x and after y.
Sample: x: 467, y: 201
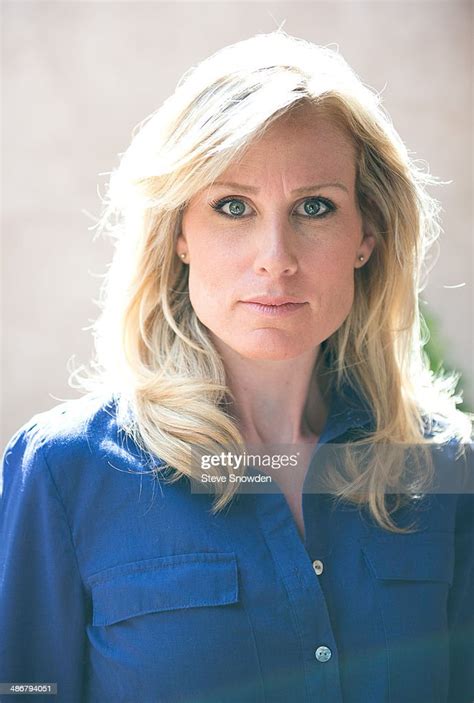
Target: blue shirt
x: 123, y: 589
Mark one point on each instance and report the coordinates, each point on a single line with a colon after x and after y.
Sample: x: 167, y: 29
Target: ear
x: 366, y: 247
x: 181, y: 246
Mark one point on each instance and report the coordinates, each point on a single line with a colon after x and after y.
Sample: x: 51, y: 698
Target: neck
x: 275, y: 402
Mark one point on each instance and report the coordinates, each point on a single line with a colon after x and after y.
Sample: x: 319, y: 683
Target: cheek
x: 333, y: 284
x: 209, y: 288
x: 205, y: 274
x: 342, y: 299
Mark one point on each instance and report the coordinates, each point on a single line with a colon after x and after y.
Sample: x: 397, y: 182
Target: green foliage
x: 434, y: 350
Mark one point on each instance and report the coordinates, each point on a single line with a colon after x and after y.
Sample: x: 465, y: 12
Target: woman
x: 270, y: 231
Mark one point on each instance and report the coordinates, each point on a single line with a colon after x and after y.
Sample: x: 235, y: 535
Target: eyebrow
x: 303, y: 189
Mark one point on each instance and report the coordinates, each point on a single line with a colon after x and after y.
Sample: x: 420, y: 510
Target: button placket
x: 305, y: 597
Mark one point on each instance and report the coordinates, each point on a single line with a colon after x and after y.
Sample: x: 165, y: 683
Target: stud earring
x: 183, y: 256
x: 361, y: 258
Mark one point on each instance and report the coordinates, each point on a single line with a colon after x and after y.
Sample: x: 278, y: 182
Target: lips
x: 274, y: 300
x: 273, y: 310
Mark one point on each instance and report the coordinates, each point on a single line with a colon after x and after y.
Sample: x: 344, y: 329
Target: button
x: 318, y: 566
x: 322, y: 654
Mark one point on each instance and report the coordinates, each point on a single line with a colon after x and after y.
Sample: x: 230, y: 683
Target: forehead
x: 301, y: 145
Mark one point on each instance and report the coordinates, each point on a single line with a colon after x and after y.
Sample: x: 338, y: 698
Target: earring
x: 183, y: 256
x: 361, y: 258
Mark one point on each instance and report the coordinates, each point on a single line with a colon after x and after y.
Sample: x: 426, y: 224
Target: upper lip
x: 273, y: 300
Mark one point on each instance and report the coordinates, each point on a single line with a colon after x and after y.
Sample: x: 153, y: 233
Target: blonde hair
x: 152, y: 351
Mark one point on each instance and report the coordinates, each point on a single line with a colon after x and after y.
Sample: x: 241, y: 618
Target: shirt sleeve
x: 42, y: 600
x: 461, y: 604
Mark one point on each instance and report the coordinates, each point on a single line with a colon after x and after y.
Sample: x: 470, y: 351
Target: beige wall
x: 78, y: 76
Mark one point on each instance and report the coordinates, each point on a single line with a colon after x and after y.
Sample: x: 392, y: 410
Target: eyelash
x: 218, y: 204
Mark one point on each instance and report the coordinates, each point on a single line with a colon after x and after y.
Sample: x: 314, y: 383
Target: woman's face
x: 281, y: 222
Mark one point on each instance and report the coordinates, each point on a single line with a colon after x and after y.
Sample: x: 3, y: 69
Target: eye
x: 235, y: 207
x: 315, y: 208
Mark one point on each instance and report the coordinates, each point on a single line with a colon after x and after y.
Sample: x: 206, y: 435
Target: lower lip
x: 275, y: 310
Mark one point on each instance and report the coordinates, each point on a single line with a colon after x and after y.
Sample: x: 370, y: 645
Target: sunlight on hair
x: 154, y: 354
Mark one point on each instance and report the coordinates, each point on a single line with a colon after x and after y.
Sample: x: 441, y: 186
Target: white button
x: 318, y: 566
x: 322, y: 654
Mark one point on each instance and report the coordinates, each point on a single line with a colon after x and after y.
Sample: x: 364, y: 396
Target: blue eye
x: 236, y: 207
x: 316, y: 207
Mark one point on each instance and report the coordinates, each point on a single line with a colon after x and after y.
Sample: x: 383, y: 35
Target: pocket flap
x: 163, y: 583
x: 420, y: 556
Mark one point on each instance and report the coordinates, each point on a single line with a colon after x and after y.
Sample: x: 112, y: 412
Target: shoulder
x: 452, y: 448
x: 457, y: 429
x: 67, y: 423
x: 71, y: 434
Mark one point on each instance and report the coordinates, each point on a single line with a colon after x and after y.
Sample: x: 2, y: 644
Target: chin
x: 265, y: 344
x: 271, y: 350
x: 271, y: 355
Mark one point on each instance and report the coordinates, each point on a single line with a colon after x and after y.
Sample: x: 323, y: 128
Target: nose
x: 276, y: 248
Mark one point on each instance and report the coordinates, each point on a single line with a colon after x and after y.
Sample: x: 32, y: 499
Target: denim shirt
x: 123, y: 589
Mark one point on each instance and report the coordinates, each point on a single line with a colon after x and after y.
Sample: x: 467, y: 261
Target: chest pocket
x: 164, y: 629
x: 411, y: 576
x: 163, y: 584
x: 418, y: 556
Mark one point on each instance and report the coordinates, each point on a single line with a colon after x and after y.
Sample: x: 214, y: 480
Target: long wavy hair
x: 156, y: 357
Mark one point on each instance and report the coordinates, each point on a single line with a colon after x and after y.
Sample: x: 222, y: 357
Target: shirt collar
x: 348, y: 409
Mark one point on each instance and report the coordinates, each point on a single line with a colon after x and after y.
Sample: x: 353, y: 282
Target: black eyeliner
x: 217, y: 204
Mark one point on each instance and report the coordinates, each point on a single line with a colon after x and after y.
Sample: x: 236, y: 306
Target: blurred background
x: 77, y: 77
